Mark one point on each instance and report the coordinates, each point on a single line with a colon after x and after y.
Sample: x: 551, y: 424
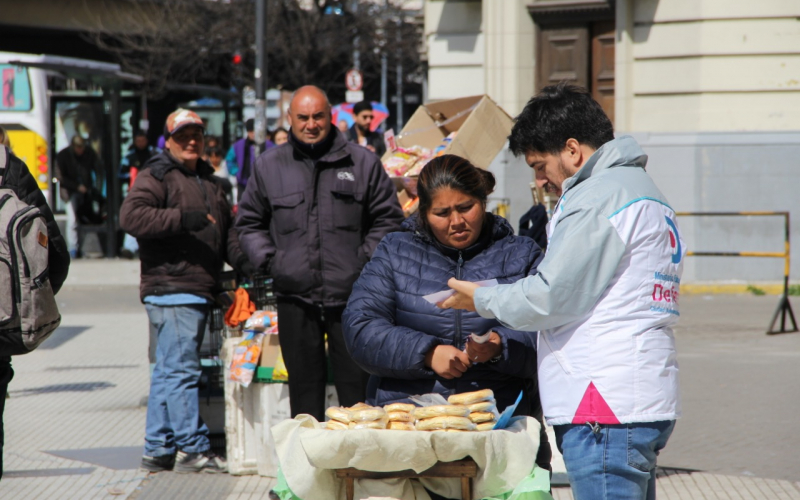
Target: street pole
x: 384, y: 72
x: 399, y: 74
x: 260, y: 125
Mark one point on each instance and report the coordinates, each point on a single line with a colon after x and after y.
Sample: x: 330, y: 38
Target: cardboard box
x: 270, y: 350
x: 482, y: 127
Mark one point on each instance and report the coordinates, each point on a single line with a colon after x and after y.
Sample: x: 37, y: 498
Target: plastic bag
x: 535, y: 486
x: 430, y: 399
x: 261, y: 321
x: 245, y: 358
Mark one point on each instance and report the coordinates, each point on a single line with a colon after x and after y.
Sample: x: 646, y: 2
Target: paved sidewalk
x: 74, y: 425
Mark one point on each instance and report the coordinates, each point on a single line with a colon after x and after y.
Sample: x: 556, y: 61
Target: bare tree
x: 308, y: 41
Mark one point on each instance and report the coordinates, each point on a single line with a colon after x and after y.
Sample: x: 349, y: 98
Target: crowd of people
x: 576, y: 329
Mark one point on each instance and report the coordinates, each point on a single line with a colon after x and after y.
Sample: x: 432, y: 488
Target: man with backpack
x: 17, y: 181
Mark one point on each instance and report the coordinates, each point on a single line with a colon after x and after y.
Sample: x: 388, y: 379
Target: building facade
x: 710, y: 88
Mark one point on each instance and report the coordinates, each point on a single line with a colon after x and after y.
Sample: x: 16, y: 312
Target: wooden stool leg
x: 350, y: 488
x: 466, y: 488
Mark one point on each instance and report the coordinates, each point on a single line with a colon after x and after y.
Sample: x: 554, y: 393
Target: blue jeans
x: 613, y: 462
x: 173, y: 411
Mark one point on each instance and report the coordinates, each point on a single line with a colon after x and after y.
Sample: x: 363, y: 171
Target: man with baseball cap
x: 178, y: 212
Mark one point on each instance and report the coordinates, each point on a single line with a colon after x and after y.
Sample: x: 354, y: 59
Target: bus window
x: 16, y: 89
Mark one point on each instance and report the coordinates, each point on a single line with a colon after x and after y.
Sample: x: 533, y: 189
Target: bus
x: 24, y: 114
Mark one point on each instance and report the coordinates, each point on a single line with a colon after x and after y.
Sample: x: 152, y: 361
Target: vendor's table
x: 465, y: 469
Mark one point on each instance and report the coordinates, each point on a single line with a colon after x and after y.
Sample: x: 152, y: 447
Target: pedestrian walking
x: 242, y: 154
x: 605, y: 297
x: 311, y: 216
x: 361, y: 132
x: 178, y: 212
x: 14, y: 175
x: 79, y: 171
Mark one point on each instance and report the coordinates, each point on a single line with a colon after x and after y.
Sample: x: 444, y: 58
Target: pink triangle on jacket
x: 593, y: 408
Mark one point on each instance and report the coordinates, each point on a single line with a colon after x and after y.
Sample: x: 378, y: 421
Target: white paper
x: 435, y: 298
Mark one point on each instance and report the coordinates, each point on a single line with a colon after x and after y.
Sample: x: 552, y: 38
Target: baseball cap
x: 182, y: 118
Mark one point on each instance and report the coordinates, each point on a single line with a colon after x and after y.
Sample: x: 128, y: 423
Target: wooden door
x: 563, y: 55
x: 602, y: 83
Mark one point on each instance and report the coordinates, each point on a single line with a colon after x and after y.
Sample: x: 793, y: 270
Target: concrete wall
x: 734, y: 172
x: 456, y: 45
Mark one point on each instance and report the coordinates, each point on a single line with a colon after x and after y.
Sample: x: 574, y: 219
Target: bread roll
x: 486, y: 426
x: 400, y: 416
x: 406, y: 407
x: 440, y: 411
x: 334, y: 425
x: 400, y: 426
x: 366, y: 414
x: 358, y: 405
x: 337, y: 413
x: 430, y: 424
x: 468, y: 398
x: 488, y: 405
x: 375, y: 424
x: 482, y: 416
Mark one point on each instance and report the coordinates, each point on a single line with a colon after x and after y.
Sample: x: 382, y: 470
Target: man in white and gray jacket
x: 604, y: 299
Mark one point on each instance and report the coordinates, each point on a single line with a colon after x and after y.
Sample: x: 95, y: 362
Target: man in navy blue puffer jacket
x: 389, y: 328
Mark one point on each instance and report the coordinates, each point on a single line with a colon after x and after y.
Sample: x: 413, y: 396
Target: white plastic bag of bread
x: 470, y: 398
x: 424, y: 412
x: 444, y: 423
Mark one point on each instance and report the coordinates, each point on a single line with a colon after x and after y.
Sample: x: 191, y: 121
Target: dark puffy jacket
x: 18, y: 178
x: 313, y: 224
x: 389, y: 327
x: 374, y: 139
x: 175, y: 260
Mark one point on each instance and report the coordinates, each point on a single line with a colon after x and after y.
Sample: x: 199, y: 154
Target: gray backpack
x: 28, y: 310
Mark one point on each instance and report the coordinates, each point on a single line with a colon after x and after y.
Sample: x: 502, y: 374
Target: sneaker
x: 206, y: 461
x: 158, y: 464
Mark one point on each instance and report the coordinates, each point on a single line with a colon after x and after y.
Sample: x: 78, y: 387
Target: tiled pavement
x: 82, y: 391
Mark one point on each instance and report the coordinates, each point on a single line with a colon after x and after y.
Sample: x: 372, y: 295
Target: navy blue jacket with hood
x: 389, y: 327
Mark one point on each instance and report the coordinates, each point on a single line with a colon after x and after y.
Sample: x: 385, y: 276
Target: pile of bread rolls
x: 470, y: 411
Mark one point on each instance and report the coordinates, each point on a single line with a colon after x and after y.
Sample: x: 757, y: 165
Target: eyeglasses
x: 188, y: 136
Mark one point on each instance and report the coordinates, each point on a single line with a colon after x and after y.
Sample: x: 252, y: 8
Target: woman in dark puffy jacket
x: 408, y: 344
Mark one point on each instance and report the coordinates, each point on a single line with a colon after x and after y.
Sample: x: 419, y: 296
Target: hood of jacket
x: 622, y: 152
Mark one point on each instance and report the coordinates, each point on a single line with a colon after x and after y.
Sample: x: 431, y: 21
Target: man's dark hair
x: 250, y: 125
x: 361, y: 106
x: 140, y: 133
x: 557, y: 113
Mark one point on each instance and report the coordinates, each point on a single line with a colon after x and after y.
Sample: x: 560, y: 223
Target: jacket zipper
x: 315, y: 202
x: 458, y: 311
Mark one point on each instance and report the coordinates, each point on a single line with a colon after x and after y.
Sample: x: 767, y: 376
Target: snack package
x: 245, y: 358
x: 279, y: 372
x: 488, y: 405
x: 445, y: 422
x: 372, y: 424
x: 468, y: 398
x: 479, y: 417
x: 333, y: 425
x: 406, y: 407
x: 400, y: 416
x: 400, y: 426
x: 337, y: 413
x: 261, y: 321
x: 368, y: 414
x: 440, y: 411
x: 485, y: 426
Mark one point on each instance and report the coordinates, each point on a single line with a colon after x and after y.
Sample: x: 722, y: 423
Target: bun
x: 440, y: 411
x: 400, y: 426
x: 488, y: 405
x: 485, y: 426
x: 481, y: 416
x: 375, y: 424
x: 337, y: 413
x: 367, y: 414
x: 468, y: 398
x: 406, y: 407
x: 489, y: 181
x: 430, y: 424
x: 400, y: 416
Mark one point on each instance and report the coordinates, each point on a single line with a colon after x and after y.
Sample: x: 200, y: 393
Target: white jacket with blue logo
x: 605, y: 297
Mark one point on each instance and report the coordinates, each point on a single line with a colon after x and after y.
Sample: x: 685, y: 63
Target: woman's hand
x: 447, y: 361
x: 481, y: 353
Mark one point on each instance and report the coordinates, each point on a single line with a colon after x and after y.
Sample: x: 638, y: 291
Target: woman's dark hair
x: 556, y: 114
x: 275, y: 132
x: 454, y: 172
x: 214, y: 150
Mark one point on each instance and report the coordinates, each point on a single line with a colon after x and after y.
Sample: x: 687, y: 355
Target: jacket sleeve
x: 585, y: 252
x: 70, y: 184
x: 384, y: 214
x: 518, y: 357
x: 19, y: 178
x: 233, y: 251
x: 253, y: 220
x: 143, y: 213
x: 372, y: 337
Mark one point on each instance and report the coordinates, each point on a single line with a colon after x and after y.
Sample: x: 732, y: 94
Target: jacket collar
x: 163, y: 162
x: 494, y: 229
x: 331, y: 150
x: 623, y: 151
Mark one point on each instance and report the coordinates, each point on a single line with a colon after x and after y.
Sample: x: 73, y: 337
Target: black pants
x: 302, y: 337
x: 6, y: 374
